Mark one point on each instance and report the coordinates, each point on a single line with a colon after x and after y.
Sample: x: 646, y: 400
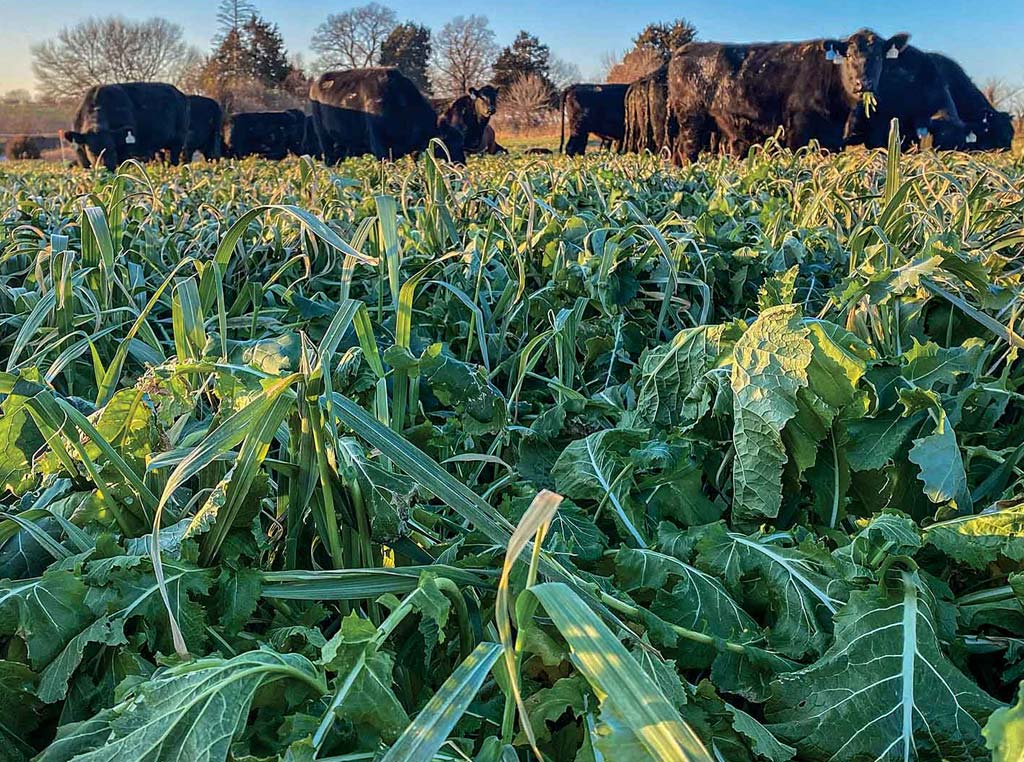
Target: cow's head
x: 485, y: 101
x: 98, y: 147
x: 860, y: 58
x: 993, y: 133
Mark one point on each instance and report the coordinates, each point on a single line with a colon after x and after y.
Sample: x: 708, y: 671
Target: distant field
x: 411, y: 461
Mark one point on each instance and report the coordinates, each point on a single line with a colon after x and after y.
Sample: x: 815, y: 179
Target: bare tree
x: 609, y: 60
x: 1003, y: 95
x: 563, y: 73
x: 526, y: 102
x: 639, y: 62
x: 462, y: 54
x: 104, y: 50
x: 353, y: 39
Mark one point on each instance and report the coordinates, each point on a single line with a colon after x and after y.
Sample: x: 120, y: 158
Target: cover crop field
x: 277, y: 441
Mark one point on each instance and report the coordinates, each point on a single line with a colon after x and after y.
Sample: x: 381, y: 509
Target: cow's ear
x: 327, y: 84
x: 835, y: 50
x: 474, y: 92
x: 898, y: 41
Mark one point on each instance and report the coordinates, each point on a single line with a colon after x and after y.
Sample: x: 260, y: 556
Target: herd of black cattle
x: 709, y: 96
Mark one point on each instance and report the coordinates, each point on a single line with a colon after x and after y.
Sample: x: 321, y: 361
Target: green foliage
x: 266, y: 432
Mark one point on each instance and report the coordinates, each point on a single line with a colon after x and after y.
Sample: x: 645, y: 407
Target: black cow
x: 597, y: 109
x: 650, y: 125
x: 204, y: 127
x: 129, y: 120
x: 489, y: 143
x: 269, y: 134
x: 469, y: 115
x: 744, y: 93
x: 913, y: 91
x: 988, y: 129
x: 378, y: 111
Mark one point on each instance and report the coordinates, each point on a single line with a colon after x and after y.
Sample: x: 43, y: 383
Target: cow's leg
x: 737, y: 146
x: 175, y: 150
x: 694, y: 137
x: 577, y: 144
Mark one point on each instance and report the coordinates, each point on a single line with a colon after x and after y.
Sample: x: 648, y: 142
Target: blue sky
x: 986, y: 36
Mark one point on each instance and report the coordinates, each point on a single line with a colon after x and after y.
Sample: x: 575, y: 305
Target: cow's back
x: 377, y: 110
x: 970, y: 101
x: 992, y: 129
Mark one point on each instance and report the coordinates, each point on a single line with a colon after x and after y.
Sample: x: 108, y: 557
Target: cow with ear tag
x: 913, y: 91
x: 988, y: 129
x: 137, y: 120
x: 467, y: 118
x: 741, y: 94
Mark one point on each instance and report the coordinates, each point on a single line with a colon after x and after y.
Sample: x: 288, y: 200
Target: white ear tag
x: 129, y: 138
x: 971, y: 137
x: 892, y: 52
x: 830, y: 55
x: 922, y: 133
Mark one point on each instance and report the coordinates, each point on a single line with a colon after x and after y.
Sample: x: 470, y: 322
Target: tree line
x: 248, y: 64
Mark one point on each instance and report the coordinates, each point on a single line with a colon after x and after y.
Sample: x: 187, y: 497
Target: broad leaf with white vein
x: 885, y: 691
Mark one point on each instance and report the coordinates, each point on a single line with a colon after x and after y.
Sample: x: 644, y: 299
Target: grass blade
x: 422, y: 739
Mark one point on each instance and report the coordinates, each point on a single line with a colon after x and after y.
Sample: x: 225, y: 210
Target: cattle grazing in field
x: 744, y: 93
x: 649, y: 122
x: 988, y: 129
x: 268, y: 134
x: 592, y: 109
x: 129, y: 120
x: 204, y: 128
x: 913, y: 91
x: 380, y: 111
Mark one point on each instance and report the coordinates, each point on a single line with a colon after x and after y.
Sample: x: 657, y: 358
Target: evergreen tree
x: 408, y: 49
x: 266, y: 57
x: 250, y: 63
x: 526, y: 55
